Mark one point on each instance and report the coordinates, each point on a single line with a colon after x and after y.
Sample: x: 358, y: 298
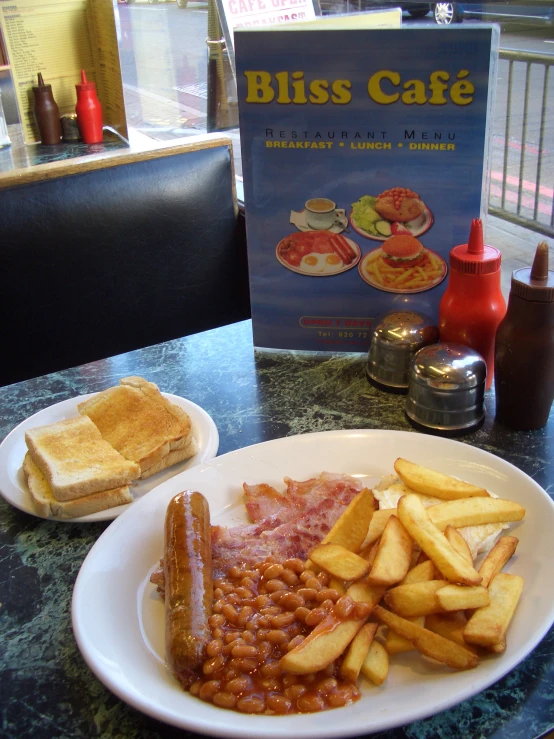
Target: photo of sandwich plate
x: 393, y: 212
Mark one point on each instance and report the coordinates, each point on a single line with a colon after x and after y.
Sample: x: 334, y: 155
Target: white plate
x: 12, y: 450
x: 371, y: 280
x: 298, y: 219
x: 300, y: 271
x: 417, y: 227
x: 118, y: 619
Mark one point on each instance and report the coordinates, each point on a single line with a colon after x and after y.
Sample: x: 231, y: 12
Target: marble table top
x: 47, y: 689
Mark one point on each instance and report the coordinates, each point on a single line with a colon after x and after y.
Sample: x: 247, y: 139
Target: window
x: 178, y: 81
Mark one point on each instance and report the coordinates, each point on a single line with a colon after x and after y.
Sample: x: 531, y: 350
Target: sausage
x: 349, y: 251
x: 188, y: 584
x: 342, y: 248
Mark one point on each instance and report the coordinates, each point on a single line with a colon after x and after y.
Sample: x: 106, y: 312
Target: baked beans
x: 260, y: 614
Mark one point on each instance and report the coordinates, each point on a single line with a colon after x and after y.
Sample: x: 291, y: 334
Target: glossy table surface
x: 47, y: 689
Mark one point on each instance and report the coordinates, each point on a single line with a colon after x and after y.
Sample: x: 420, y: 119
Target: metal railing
x: 522, y: 153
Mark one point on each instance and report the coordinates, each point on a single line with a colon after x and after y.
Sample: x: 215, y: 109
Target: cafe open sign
x: 257, y: 13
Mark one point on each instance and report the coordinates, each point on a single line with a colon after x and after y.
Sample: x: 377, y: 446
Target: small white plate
x: 417, y: 227
x: 299, y: 270
x: 298, y: 219
x: 12, y: 450
x: 372, y: 280
x: 118, y: 618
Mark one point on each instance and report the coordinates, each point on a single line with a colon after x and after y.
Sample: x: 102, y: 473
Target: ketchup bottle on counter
x: 89, y: 111
x: 524, y: 371
x: 47, y: 114
x: 473, y: 305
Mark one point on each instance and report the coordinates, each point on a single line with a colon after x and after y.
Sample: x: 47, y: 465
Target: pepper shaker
x: 395, y: 339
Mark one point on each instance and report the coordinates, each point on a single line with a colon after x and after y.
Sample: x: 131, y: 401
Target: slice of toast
x: 138, y: 421
x: 47, y: 506
x: 177, y: 455
x: 76, y: 460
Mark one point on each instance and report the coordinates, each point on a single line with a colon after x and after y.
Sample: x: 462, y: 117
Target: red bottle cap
x: 85, y: 85
x: 475, y: 257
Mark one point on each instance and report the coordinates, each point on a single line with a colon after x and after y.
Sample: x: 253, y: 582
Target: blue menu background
x: 277, y: 180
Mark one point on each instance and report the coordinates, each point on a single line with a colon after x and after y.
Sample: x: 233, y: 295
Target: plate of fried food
x: 391, y: 213
x: 88, y: 458
x: 293, y: 601
x: 402, y: 265
x: 318, y: 253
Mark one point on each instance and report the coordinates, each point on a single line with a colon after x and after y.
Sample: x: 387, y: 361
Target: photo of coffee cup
x: 320, y: 213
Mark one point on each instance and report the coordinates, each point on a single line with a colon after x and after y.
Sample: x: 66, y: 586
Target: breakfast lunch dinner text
x: 360, y: 145
x: 430, y: 140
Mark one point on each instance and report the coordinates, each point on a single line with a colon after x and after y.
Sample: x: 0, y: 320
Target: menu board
x: 59, y: 38
x: 364, y: 158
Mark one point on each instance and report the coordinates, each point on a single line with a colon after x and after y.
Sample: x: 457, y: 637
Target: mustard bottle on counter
x: 524, y: 349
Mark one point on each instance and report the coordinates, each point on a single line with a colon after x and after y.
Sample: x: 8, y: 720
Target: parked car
x: 415, y: 10
x: 446, y: 13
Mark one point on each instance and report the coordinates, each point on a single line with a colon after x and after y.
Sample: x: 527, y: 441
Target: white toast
x: 76, y: 460
x: 47, y: 506
x: 178, y: 455
x: 139, y: 422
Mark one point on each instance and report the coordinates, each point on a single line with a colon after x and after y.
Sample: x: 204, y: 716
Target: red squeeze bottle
x: 473, y: 305
x: 89, y: 111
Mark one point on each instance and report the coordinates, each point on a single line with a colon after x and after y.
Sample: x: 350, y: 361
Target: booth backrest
x: 125, y: 254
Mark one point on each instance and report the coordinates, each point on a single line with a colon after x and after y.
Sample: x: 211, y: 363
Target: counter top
x: 252, y: 396
x: 22, y: 164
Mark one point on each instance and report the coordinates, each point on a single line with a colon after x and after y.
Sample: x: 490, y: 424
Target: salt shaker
x: 447, y: 388
x: 395, y: 339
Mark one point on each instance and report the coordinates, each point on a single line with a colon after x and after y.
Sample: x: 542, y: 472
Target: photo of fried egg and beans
x: 395, y: 217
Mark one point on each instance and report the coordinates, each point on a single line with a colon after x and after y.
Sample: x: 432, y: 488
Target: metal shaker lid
x: 447, y: 387
x: 448, y: 366
x: 396, y: 337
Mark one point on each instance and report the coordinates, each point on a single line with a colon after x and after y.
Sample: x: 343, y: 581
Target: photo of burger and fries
x: 290, y: 613
x: 402, y: 264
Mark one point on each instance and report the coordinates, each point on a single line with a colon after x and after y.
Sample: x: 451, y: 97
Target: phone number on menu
x: 359, y: 338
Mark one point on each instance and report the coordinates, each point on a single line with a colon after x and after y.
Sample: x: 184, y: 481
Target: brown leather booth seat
x: 119, y: 254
